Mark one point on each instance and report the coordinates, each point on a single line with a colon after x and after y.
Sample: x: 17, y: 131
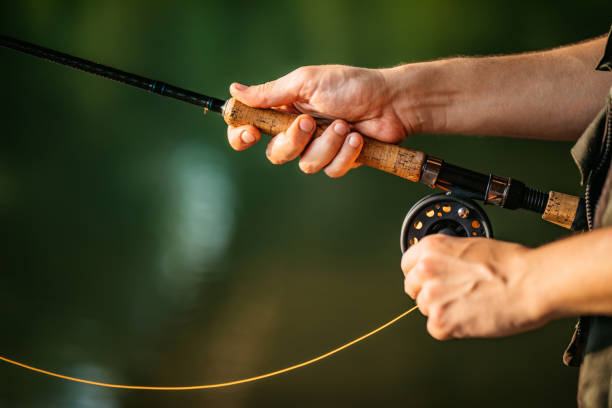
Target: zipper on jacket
x: 598, y: 175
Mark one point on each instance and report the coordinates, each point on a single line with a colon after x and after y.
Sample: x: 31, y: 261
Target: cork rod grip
x: 402, y: 162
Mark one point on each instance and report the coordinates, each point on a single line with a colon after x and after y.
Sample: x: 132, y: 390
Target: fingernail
x: 354, y: 141
x: 340, y: 128
x: 239, y: 87
x: 247, y: 137
x: 306, y: 124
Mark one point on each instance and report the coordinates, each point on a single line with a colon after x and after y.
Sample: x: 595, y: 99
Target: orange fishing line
x: 218, y: 385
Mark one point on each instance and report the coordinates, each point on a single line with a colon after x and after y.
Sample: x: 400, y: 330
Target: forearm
x: 547, y: 95
x: 573, y: 276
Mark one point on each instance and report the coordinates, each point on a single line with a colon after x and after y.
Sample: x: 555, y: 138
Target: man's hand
x: 348, y: 94
x: 472, y: 287
x: 525, y: 95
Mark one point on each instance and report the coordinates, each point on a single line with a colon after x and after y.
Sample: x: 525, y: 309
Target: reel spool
x: 444, y: 214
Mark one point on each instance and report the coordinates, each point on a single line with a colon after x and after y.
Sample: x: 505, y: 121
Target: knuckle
x: 303, y: 72
x: 426, y: 244
x: 267, y: 86
x: 426, y: 266
x: 264, y: 90
x: 433, y: 240
x: 300, y: 71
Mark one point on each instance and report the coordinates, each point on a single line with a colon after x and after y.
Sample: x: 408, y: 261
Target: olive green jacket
x: 591, y: 345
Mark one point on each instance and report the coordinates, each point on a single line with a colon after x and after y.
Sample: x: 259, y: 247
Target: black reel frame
x: 444, y: 214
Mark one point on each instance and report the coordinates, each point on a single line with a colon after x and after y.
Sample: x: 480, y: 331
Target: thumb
x: 283, y: 91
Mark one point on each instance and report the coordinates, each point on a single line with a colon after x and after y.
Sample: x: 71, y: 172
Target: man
x: 476, y: 287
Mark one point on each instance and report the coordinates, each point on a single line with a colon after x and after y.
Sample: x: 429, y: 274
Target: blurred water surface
x: 138, y: 248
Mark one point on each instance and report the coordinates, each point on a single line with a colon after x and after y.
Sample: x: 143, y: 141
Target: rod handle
x: 402, y: 162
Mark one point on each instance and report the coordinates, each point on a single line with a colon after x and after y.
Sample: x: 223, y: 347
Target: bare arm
x: 546, y: 95
x: 578, y: 271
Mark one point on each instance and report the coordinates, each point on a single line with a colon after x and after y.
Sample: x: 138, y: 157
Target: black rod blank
x: 151, y: 85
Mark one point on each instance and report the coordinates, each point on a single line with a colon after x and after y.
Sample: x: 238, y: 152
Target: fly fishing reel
x: 444, y: 214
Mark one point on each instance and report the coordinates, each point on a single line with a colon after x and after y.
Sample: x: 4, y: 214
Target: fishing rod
x: 454, y: 213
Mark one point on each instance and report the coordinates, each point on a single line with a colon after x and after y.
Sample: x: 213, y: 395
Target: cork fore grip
x: 402, y: 162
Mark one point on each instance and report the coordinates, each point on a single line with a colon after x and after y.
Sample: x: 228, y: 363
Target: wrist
x: 531, y: 285
x: 424, y: 95
x: 547, y: 282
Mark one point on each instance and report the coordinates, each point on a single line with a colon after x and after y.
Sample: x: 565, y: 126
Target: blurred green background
x: 138, y: 248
